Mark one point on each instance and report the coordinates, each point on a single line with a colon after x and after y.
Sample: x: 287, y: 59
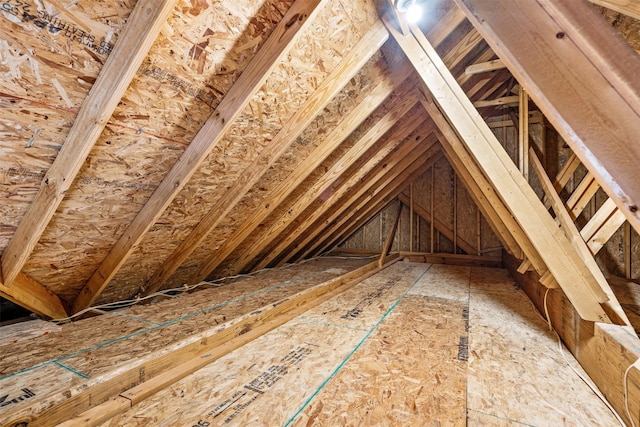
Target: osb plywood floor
x: 417, y: 344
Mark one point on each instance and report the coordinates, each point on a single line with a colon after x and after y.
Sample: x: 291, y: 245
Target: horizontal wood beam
x: 350, y: 65
x: 505, y: 100
x: 281, y: 40
x: 554, y: 248
x: 495, y: 64
x: 143, y: 25
x: 529, y: 35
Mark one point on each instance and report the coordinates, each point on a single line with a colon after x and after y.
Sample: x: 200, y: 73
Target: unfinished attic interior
x: 319, y: 212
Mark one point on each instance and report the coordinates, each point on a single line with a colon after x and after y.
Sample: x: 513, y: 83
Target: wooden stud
x: 602, y: 226
x: 523, y: 133
x: 329, y: 88
x: 555, y: 249
x: 143, y: 25
x: 505, y: 100
x: 431, y: 201
x: 389, y: 241
x: 281, y: 40
x: 574, y: 37
x: 411, y: 213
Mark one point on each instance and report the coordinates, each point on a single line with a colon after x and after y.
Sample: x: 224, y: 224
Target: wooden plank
x: 483, y: 67
x: 572, y: 233
x: 365, y: 142
x: 574, y: 37
x: 602, y: 226
x: 352, y: 189
x: 283, y: 37
x: 328, y: 89
x: 392, y: 234
x: 505, y: 100
x: 279, y: 314
x: 333, y: 139
x: 581, y: 196
x: 30, y: 294
x: 118, y: 380
x: 143, y: 26
x: 523, y: 133
x: 439, y: 225
x: 626, y: 7
x: 553, y: 247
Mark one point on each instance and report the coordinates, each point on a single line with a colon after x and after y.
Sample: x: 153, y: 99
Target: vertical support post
x: 627, y: 250
x: 455, y: 213
x: 523, y: 132
x: 433, y: 214
x: 411, y: 217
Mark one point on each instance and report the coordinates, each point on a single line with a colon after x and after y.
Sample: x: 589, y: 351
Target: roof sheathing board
x: 48, y: 60
x: 162, y: 110
x: 330, y: 36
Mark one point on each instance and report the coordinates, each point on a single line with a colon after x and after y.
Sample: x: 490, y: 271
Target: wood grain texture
x: 280, y: 41
x: 144, y: 24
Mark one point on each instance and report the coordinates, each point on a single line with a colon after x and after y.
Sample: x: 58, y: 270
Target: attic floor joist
x: 274, y: 49
x: 573, y: 38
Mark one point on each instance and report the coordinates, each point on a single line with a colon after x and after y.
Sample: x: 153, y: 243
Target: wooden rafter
x: 281, y: 40
x: 505, y: 100
x: 345, y: 127
x: 554, y: 248
x: 366, y: 207
x: 574, y: 37
x: 626, y: 7
x: 143, y: 26
x: 31, y: 295
x: 359, y: 187
x: 584, y: 192
x: 329, y: 88
x: 389, y: 241
x: 324, y: 183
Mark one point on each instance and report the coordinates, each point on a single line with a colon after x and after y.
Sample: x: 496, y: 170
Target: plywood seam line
x: 143, y: 27
x: 177, y: 363
x: 571, y: 38
x: 281, y: 40
x: 368, y: 45
x: 566, y: 266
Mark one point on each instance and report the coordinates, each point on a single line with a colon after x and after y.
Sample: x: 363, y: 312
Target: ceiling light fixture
x: 411, y: 10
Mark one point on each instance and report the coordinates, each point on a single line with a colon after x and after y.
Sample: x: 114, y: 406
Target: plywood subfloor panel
x: 516, y: 373
x: 268, y: 380
x: 409, y: 372
x: 95, y: 346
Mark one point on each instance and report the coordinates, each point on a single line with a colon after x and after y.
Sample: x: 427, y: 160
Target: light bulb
x: 413, y: 13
